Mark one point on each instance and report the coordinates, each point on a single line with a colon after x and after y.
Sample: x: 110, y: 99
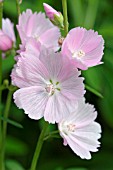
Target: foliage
x: 90, y: 14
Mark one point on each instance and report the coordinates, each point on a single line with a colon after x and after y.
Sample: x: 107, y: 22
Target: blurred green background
x: 91, y: 14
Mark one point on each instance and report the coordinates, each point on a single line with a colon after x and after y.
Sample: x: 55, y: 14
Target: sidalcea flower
x: 7, y: 35
x: 80, y: 131
x: 55, y: 17
x: 84, y: 47
x: 33, y: 25
x: 49, y: 85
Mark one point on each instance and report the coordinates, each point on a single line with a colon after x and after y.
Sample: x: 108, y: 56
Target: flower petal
x: 58, y: 107
x: 29, y: 71
x: 33, y: 100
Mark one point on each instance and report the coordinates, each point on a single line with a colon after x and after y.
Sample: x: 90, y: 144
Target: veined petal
x: 80, y: 151
x: 58, y: 107
x: 83, y: 47
x: 52, y: 41
x: 33, y: 100
x: 29, y: 69
x: 80, y: 131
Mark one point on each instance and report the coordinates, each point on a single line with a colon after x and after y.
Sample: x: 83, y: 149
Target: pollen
x: 71, y: 127
x: 78, y: 54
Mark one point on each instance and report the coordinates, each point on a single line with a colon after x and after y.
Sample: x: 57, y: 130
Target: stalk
x: 39, y: 146
x: 64, y: 6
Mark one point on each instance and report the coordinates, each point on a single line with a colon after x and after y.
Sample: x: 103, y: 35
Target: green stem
x: 39, y: 146
x: 18, y: 12
x: 51, y: 134
x: 18, y: 7
x: 1, y: 11
x: 1, y: 160
x: 6, y: 112
x: 64, y: 6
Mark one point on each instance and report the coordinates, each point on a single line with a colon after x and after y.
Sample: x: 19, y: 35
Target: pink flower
x: 50, y: 12
x: 80, y: 131
x: 50, y: 85
x: 84, y: 47
x: 7, y: 35
x: 38, y: 27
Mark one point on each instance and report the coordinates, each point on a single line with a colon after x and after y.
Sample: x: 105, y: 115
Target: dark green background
x: 95, y: 14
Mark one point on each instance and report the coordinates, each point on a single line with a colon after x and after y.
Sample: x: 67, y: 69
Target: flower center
x: 79, y: 54
x: 71, y: 127
x: 51, y: 87
x: 36, y: 37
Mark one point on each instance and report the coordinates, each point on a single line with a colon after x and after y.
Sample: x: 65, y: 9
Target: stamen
x: 79, y: 54
x: 71, y: 127
x: 50, y: 89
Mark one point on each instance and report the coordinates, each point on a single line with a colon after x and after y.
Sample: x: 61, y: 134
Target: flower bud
x: 7, y: 35
x: 5, y: 42
x: 55, y: 17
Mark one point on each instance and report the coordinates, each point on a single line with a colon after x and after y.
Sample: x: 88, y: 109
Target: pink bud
x: 5, y: 42
x: 7, y: 35
x: 50, y: 12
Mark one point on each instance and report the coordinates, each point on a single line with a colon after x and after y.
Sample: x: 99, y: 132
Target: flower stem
x: 64, y: 6
x: 39, y: 146
x: 1, y: 11
x: 18, y: 7
x: 1, y: 160
x: 6, y: 112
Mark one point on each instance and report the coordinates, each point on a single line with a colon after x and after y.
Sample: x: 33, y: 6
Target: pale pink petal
x: 22, y: 34
x: 8, y: 28
x: 62, y: 70
x: 58, y: 107
x: 33, y: 47
x: 23, y: 18
x: 5, y: 42
x: 36, y: 26
x: 73, y: 86
x: 84, y: 115
x: 80, y: 131
x: 80, y: 151
x: 33, y: 100
x: 52, y: 41
x: 52, y: 61
x: 83, y: 47
x: 29, y: 71
x: 73, y: 39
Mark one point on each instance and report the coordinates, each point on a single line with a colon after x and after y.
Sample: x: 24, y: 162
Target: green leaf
x: 91, y: 13
x: 93, y: 91
x: 78, y: 14
x: 76, y: 169
x: 106, y: 104
x: 94, y: 76
x: 13, y: 165
x: 15, y: 147
x: 12, y: 122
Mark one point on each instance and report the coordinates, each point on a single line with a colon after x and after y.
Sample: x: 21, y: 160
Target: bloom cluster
x: 49, y: 80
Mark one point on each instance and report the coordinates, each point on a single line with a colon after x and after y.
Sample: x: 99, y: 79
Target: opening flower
x: 80, y: 131
x: 50, y: 12
x: 84, y: 47
x: 38, y: 27
x: 49, y: 83
x: 55, y: 17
